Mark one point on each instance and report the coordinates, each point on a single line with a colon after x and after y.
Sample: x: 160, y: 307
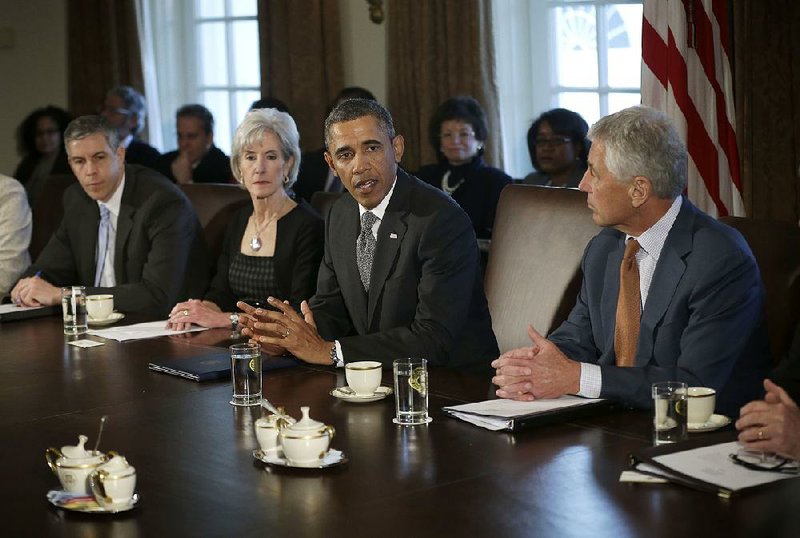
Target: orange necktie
x: 626, y: 332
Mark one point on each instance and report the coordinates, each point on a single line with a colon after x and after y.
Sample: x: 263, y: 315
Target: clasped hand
x: 35, y: 291
x: 536, y: 372
x: 771, y: 424
x: 285, y: 330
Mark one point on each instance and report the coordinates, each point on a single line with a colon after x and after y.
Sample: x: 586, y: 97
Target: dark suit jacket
x: 214, y: 167
x: 160, y: 255
x: 702, y: 322
x: 140, y: 152
x: 426, y: 295
x: 312, y: 175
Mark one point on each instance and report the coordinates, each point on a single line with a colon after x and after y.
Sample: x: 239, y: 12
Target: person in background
x: 272, y: 247
x: 39, y: 141
x: 399, y: 277
x: 126, y: 231
x: 270, y: 102
x: 125, y: 109
x: 15, y: 232
x: 558, y: 147
x: 197, y: 159
x: 457, y: 132
x: 668, y: 294
x: 315, y: 175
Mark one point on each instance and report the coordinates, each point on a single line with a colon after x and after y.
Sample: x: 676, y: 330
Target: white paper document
x: 140, y: 331
x: 499, y: 414
x: 9, y: 308
x: 713, y: 464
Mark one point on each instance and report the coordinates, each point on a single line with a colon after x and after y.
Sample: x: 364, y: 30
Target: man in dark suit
x: 124, y: 108
x: 400, y: 275
x: 126, y: 230
x: 697, y: 299
x: 197, y: 159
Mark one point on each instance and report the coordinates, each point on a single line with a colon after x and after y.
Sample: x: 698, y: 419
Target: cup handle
x: 51, y: 455
x: 98, y: 487
x: 331, y: 431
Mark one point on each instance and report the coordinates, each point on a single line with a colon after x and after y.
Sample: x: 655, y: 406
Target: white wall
x: 364, y: 47
x: 33, y: 70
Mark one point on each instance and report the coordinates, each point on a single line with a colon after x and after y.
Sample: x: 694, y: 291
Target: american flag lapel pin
x: 392, y: 235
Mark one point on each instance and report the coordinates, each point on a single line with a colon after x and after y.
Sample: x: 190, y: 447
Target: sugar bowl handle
x: 52, y: 455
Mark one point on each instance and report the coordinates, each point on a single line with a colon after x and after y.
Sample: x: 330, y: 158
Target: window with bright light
x: 577, y: 54
x: 206, y: 52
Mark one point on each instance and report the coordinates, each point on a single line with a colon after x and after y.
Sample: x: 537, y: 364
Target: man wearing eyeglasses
x: 668, y: 293
x: 125, y: 110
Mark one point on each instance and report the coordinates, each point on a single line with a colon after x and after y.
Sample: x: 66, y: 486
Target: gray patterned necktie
x: 102, y: 243
x: 365, y: 247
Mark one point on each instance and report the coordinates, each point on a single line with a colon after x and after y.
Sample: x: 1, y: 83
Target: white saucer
x: 379, y: 394
x: 86, y: 503
x: 113, y: 318
x: 332, y: 459
x: 714, y: 423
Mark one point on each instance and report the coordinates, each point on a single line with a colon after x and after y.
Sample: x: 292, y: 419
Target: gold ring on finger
x: 185, y: 312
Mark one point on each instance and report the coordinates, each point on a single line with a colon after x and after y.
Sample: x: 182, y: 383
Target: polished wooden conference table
x: 197, y: 476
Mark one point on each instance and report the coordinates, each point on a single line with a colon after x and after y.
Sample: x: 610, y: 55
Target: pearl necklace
x: 446, y: 184
x: 255, y: 242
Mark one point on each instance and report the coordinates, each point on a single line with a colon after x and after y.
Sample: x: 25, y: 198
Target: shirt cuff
x: 339, y: 360
x: 591, y: 380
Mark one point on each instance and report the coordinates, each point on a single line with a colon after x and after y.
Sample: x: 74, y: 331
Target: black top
x: 298, y: 251
x: 142, y: 153
x: 252, y: 278
x: 214, y: 167
x: 479, y: 188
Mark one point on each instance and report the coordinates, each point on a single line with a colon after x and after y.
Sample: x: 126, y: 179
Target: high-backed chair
x: 322, y: 202
x: 776, y: 247
x: 215, y: 204
x: 533, y: 274
x: 47, y: 212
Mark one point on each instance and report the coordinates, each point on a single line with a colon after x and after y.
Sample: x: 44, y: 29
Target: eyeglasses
x: 461, y: 135
x: 759, y: 461
x: 553, y: 142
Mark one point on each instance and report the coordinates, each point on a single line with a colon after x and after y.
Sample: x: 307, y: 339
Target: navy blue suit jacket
x: 702, y: 322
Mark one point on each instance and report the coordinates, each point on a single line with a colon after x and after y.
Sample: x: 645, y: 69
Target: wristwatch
x: 234, y: 321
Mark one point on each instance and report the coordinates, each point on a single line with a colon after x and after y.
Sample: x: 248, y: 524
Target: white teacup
x: 267, y: 430
x: 113, y: 482
x: 99, y: 307
x: 364, y: 377
x: 702, y: 401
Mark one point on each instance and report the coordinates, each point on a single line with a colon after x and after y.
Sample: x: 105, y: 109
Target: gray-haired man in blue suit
x: 699, y: 293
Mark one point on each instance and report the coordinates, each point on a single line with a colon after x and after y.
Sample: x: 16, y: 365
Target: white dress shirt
x: 108, y: 278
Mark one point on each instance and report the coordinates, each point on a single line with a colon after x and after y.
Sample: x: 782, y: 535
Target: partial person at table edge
x: 126, y: 230
x: 15, y: 232
x: 399, y: 277
x: 693, y: 312
x: 272, y: 246
x: 771, y: 425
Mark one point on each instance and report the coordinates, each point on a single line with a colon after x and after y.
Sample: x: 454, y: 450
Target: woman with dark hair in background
x: 40, y: 142
x: 458, y: 131
x: 558, y: 148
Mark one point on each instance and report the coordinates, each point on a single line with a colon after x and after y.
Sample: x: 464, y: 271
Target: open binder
x: 725, y: 479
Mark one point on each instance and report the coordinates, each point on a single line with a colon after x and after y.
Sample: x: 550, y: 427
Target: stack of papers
x: 512, y: 415
x: 140, y: 331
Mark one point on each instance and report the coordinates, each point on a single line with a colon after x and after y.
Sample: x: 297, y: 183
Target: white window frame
x: 526, y: 70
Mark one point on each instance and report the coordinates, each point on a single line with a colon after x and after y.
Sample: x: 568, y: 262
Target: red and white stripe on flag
x: 686, y: 73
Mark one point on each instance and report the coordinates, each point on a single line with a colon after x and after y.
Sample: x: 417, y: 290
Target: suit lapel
x: 343, y: 245
x: 124, y: 225
x: 88, y: 247
x: 669, y: 271
x: 611, y: 293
